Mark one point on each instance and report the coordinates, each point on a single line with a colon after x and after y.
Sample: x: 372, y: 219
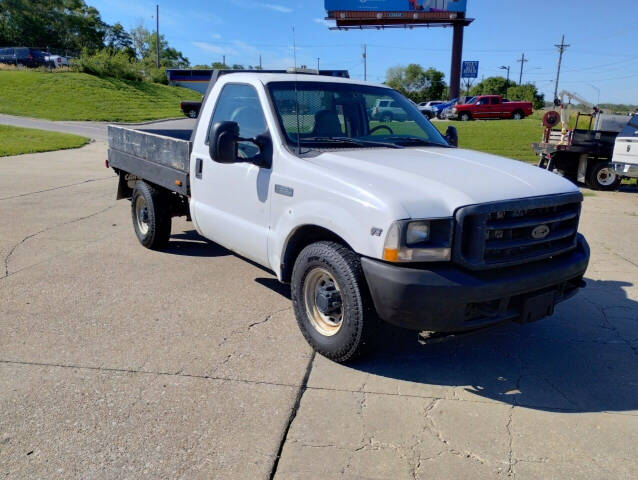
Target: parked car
x: 625, y: 156
x: 386, y: 110
x: 190, y: 109
x: 427, y: 108
x: 443, y: 109
x: 56, y: 61
x: 29, y: 57
x: 365, y: 222
x: 490, y: 106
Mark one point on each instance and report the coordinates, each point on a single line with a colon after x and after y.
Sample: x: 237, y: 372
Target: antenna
x: 294, y: 52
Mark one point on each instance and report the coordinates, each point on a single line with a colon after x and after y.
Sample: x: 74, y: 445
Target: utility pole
x: 523, y: 60
x: 318, y: 63
x: 260, y: 66
x: 561, y: 49
x: 223, y: 61
x: 365, y: 63
x: 157, y: 37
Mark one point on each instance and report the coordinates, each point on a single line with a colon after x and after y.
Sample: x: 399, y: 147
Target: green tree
x: 63, y: 25
x: 417, y: 83
x: 528, y: 93
x: 144, y: 44
x: 492, y: 86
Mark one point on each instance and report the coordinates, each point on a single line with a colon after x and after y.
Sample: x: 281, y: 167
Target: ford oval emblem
x: 540, y: 232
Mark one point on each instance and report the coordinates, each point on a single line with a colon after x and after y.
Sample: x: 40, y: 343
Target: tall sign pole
x: 157, y: 38
x: 457, y: 55
x: 561, y: 49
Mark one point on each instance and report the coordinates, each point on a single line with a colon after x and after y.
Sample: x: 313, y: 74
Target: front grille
x: 519, y: 231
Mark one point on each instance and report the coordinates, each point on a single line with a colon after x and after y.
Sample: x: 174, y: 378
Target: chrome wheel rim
x: 322, y: 298
x: 606, y: 176
x: 141, y: 215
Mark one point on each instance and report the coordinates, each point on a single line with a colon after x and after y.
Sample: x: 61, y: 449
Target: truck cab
x: 625, y: 157
x: 368, y: 219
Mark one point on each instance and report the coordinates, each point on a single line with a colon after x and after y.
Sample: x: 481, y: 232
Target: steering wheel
x: 378, y: 127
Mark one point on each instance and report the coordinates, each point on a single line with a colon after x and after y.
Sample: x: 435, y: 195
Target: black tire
x: 356, y: 333
x: 518, y: 115
x: 386, y: 117
x: 439, y: 115
x: 602, y: 177
x: 192, y: 113
x: 151, y: 215
x: 465, y: 117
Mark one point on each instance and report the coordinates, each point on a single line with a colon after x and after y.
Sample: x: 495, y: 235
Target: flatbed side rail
x: 158, y: 159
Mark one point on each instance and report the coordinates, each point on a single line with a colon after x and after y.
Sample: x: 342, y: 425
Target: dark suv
x: 29, y: 57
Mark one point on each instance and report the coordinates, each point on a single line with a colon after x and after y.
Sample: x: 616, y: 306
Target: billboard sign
x: 470, y: 70
x: 457, y: 6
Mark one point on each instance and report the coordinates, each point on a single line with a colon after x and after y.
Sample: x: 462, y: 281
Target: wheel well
x: 465, y: 112
x: 300, y: 239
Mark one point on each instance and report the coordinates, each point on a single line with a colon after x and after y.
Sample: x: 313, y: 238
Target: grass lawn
x: 78, y: 96
x: 17, y: 140
x: 508, y: 138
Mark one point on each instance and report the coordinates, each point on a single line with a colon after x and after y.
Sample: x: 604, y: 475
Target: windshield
x: 472, y: 101
x: 320, y: 115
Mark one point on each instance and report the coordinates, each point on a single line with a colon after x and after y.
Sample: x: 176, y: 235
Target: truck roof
x: 301, y: 77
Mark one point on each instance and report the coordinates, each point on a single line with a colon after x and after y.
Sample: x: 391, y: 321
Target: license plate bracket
x: 538, y: 307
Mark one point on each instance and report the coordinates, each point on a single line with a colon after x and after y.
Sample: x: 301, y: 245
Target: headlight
x: 454, y: 110
x: 419, y: 241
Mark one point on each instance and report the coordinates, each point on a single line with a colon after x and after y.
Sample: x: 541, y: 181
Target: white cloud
x: 276, y: 8
x: 323, y: 21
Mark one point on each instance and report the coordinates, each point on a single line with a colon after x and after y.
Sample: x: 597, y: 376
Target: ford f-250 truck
x: 490, y: 107
x: 364, y: 218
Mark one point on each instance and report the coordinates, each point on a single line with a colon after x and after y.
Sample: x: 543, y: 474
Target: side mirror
x: 222, y: 143
x: 452, y: 136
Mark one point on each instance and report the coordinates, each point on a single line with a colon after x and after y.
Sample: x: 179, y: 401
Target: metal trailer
x: 582, y: 155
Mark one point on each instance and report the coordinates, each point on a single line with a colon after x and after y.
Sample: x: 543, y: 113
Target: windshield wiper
x: 352, y: 141
x: 419, y: 140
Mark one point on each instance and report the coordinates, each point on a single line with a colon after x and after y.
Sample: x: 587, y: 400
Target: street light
x: 506, y: 67
x: 597, y: 90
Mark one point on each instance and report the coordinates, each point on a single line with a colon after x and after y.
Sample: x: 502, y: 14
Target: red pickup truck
x: 491, y: 106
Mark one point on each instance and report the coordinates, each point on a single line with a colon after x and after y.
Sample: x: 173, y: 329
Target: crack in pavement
x: 90, y: 180
x: 609, y: 326
x: 28, y: 237
x: 293, y: 415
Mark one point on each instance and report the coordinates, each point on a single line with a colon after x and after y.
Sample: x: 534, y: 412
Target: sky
x: 601, y: 62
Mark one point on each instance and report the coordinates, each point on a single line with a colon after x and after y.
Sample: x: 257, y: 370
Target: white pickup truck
x: 625, y: 158
x: 366, y: 219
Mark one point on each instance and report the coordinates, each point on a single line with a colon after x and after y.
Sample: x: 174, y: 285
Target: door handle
x: 199, y: 167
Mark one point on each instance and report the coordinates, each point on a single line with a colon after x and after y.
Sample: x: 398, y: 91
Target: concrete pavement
x: 94, y: 130
x: 119, y: 362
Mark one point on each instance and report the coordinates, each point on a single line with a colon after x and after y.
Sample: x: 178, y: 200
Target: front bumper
x: 446, y: 298
x: 625, y: 169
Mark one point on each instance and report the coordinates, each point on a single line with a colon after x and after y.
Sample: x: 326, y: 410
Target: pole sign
x: 396, y: 5
x: 470, y: 70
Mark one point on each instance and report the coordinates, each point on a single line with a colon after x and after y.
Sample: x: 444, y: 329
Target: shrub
x: 118, y: 64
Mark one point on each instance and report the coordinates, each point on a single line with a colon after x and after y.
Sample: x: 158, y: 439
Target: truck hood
x: 435, y: 181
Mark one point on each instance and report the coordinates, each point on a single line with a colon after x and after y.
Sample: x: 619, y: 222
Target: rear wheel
x: 518, y: 115
x: 192, y: 114
x: 603, y: 177
x: 331, y: 301
x: 386, y: 117
x: 150, y: 211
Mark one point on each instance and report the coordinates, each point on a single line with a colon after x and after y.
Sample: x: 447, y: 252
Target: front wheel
x: 603, y: 177
x: 465, y: 117
x: 151, y: 215
x: 331, y: 301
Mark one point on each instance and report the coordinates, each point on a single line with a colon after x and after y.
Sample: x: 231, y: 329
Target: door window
x: 494, y: 101
x: 483, y: 101
x: 240, y: 103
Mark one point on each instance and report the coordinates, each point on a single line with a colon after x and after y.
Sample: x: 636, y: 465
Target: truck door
x: 496, y: 108
x: 482, y: 108
x: 626, y: 146
x: 230, y: 202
